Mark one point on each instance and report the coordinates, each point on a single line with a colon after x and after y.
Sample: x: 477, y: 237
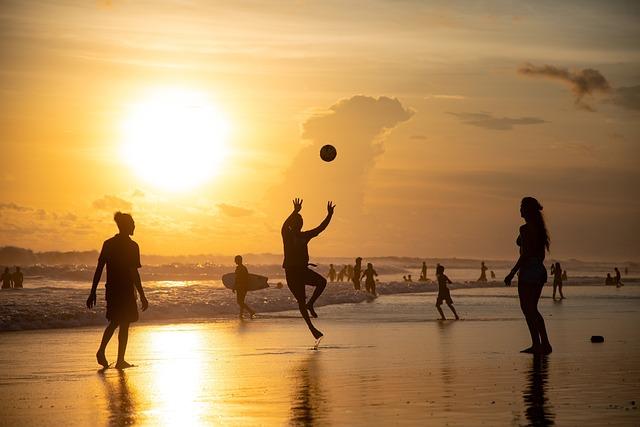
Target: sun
x: 175, y: 139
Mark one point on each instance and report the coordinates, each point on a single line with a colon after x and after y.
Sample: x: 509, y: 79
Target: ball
x: 328, y: 153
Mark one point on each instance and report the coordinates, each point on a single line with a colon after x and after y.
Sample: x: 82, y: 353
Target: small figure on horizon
x: 409, y: 279
x: 241, y: 287
x: 121, y: 255
x: 444, y: 294
x: 557, y: 279
x: 341, y: 274
x: 6, y: 279
x: 423, y: 273
x: 617, y: 279
x: 564, y: 276
x: 17, y: 278
x: 296, y: 261
x: 493, y: 274
x: 356, y: 274
x: 626, y: 271
x: 609, y: 280
x: 370, y: 282
x: 349, y: 273
x: 404, y: 278
x: 483, y: 273
x: 332, y: 273
x: 533, y: 241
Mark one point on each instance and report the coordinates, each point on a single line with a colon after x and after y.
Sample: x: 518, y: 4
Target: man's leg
x: 123, y: 338
x: 296, y: 286
x: 320, y: 283
x: 106, y: 336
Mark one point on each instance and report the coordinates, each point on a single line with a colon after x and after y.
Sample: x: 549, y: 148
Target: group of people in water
x: 617, y: 280
x: 121, y: 256
x: 12, y: 280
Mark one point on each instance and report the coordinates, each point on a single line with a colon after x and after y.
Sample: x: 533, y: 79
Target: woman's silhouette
x: 532, y: 275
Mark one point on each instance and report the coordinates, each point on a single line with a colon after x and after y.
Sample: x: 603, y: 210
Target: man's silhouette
x: 121, y: 255
x: 6, y: 279
x: 17, y: 278
x: 296, y: 261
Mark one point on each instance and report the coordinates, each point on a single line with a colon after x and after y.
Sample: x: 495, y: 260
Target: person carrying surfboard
x: 296, y: 261
x: 242, y: 286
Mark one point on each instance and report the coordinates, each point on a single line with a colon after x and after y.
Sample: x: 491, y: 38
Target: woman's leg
x: 539, y: 320
x: 525, y: 296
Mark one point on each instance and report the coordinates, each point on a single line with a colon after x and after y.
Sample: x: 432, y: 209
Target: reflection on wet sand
x: 121, y: 402
x: 537, y: 408
x: 307, y: 402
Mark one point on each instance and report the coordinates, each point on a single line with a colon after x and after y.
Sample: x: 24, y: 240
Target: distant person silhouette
x: 617, y: 279
x: 6, y: 279
x: 17, y: 278
x: 564, y: 276
x: 370, y: 282
x: 483, y: 273
x: 404, y: 278
x: 349, y: 273
x: 121, y: 255
x: 443, y: 293
x: 626, y: 271
x: 241, y: 287
x: 409, y: 279
x: 296, y: 261
x: 553, y: 268
x: 356, y: 274
x: 609, y: 280
x: 557, y: 280
x: 423, y: 272
x: 341, y: 274
x: 493, y: 274
x: 533, y: 240
x: 332, y: 273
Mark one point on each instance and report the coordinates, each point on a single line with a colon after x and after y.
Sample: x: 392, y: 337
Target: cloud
x: 112, y: 203
x: 488, y: 121
x: 14, y: 207
x: 418, y: 137
x: 234, y: 211
x: 581, y: 82
x: 444, y: 96
x: 627, y: 97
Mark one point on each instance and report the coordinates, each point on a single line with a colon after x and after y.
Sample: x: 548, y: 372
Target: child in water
x: 443, y: 293
x: 370, y: 281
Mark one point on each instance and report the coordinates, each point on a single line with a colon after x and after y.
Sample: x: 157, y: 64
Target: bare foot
x: 457, y: 317
x: 316, y: 333
x: 545, y: 349
x: 124, y: 365
x: 529, y: 350
x: 312, y: 312
x: 102, y: 359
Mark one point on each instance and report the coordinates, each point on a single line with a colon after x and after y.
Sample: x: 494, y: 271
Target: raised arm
x: 319, y: 229
x: 297, y: 207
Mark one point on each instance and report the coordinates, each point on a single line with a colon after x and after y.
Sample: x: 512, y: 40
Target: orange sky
x: 440, y: 125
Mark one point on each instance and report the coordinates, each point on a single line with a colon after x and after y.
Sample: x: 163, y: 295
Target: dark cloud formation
x: 581, y: 82
x: 234, y: 211
x: 112, y: 203
x: 488, y: 121
x: 14, y: 207
x: 627, y: 97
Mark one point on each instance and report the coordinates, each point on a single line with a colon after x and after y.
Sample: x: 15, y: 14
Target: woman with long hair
x: 532, y: 275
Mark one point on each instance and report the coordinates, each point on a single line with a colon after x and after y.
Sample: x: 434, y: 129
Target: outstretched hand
x: 297, y: 205
x: 91, y: 301
x: 330, y: 207
x: 508, y: 279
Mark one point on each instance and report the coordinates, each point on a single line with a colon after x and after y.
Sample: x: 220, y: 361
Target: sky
x: 444, y: 115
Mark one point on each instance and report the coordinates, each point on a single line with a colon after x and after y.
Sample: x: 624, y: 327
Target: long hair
x: 532, y: 212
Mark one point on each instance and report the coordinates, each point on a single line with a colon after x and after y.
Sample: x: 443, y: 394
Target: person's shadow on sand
x: 121, y: 402
x: 307, y: 400
x: 536, y: 404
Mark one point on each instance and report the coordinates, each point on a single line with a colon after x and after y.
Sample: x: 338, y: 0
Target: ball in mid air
x: 328, y: 153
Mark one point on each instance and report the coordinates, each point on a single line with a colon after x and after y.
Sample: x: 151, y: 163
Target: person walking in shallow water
x: 370, y: 282
x: 356, y: 274
x: 533, y: 241
x: 121, y: 255
x: 557, y: 279
x: 444, y: 294
x: 17, y: 278
x: 332, y: 273
x: 241, y: 287
x: 483, y: 273
x: 296, y: 261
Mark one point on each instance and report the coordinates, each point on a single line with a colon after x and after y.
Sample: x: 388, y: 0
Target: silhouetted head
x: 331, y: 265
x: 440, y: 269
x: 238, y: 260
x: 125, y: 223
x: 296, y: 222
x: 6, y: 269
x: 17, y: 268
x: 557, y: 265
x: 358, y: 260
x: 369, y: 265
x: 531, y: 211
x: 482, y: 263
x: 616, y: 269
x: 608, y: 275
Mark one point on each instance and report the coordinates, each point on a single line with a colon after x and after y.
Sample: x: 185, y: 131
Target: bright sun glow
x: 175, y: 139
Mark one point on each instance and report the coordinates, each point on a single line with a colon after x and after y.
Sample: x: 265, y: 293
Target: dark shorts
x: 298, y: 278
x: 121, y: 304
x: 444, y: 296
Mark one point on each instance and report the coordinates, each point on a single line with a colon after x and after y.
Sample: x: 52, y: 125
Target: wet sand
x: 385, y: 362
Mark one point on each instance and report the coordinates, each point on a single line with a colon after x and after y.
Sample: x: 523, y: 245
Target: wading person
x: 242, y: 285
x: 296, y: 262
x: 121, y: 255
x: 533, y: 241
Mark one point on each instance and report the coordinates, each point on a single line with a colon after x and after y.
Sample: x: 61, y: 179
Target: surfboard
x: 256, y: 282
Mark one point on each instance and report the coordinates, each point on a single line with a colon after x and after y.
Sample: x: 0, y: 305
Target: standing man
x: 121, y: 255
x: 17, y: 278
x: 296, y: 261
x: 242, y: 286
